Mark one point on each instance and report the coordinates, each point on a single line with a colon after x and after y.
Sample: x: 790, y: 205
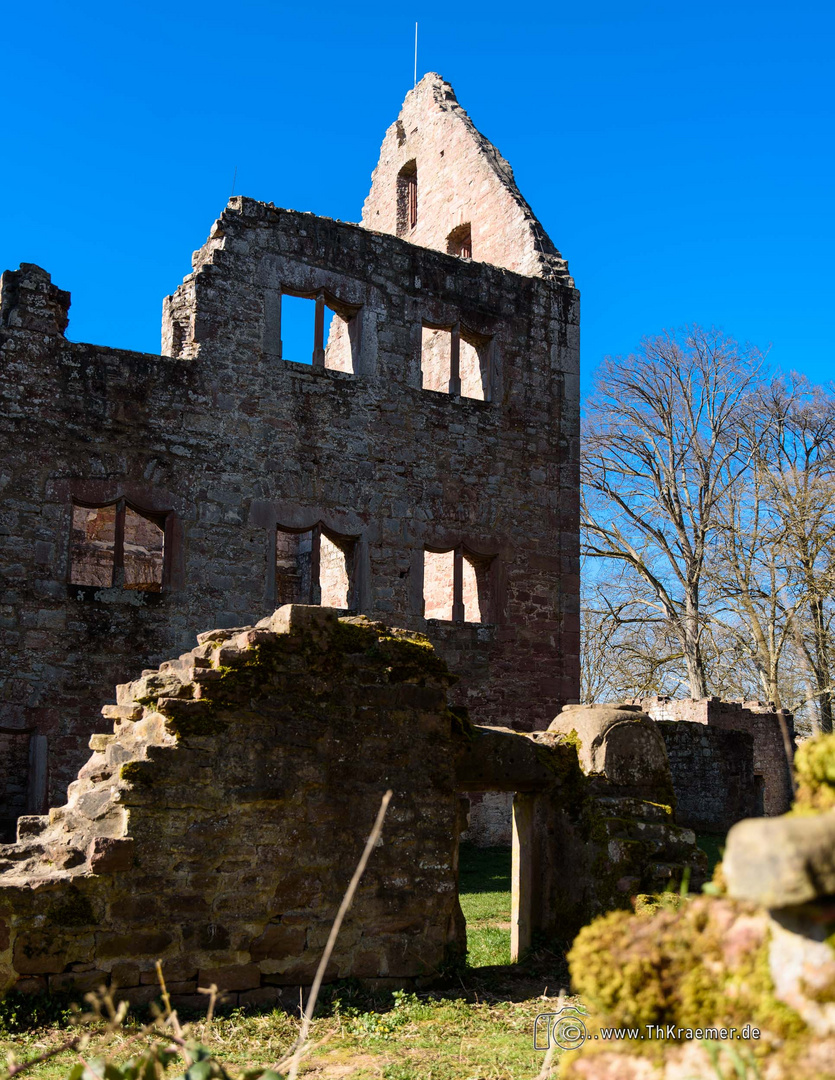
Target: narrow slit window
x: 436, y: 358
x: 407, y: 198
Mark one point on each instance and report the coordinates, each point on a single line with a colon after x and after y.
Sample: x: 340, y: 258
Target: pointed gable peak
x: 441, y: 184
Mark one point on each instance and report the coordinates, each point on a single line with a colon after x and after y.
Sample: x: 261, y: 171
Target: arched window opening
x: 314, y: 566
x: 117, y: 546
x: 407, y: 195
x: 460, y: 241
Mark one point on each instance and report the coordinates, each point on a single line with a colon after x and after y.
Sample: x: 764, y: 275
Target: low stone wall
x: 713, y: 775
x: 758, y: 719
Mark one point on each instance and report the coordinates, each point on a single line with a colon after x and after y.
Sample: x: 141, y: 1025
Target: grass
x: 478, y: 1025
x: 484, y: 890
x: 713, y: 845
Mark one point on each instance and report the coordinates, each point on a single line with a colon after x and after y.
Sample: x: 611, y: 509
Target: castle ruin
x: 417, y: 462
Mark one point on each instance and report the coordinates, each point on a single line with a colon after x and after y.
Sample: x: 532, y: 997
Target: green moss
x: 672, y: 968
x: 73, y: 909
x: 137, y: 772
x: 652, y: 903
x: 814, y: 766
x: 573, y: 739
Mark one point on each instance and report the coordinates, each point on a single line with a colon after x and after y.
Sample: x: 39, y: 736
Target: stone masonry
x: 424, y: 463
x: 771, y: 786
x: 218, y: 824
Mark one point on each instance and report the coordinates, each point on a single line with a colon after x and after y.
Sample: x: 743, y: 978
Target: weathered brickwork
x: 713, y: 775
x: 760, y: 721
x: 223, y: 447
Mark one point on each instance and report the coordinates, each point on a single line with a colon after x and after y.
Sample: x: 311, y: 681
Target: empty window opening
x: 455, y: 360
x: 438, y: 575
x: 456, y: 586
x: 474, y: 365
x: 460, y: 242
x: 436, y: 358
x: 319, y: 332
x: 315, y: 566
x: 117, y: 546
x: 93, y: 545
x: 298, y: 324
x: 475, y: 588
x: 144, y: 542
x: 336, y: 558
x: 407, y: 194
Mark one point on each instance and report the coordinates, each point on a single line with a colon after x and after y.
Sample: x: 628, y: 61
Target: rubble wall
x: 218, y: 826
x: 713, y: 775
x: 759, y: 720
x: 224, y: 441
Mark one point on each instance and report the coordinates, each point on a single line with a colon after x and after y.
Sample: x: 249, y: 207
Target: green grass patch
x: 713, y: 845
x: 484, y: 891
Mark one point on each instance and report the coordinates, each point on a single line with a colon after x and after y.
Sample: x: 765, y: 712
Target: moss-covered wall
x: 218, y: 826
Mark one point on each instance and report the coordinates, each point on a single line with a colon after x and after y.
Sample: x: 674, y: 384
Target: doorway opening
x: 485, y: 876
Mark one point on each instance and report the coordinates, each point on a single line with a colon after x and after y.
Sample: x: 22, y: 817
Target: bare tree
x: 661, y: 450
x: 795, y: 455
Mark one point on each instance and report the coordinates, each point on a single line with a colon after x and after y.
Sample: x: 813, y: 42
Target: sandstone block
x: 233, y: 977
x: 781, y: 862
x: 109, y: 855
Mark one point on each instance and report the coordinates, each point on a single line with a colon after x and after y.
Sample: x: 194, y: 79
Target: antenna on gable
x: 415, y: 54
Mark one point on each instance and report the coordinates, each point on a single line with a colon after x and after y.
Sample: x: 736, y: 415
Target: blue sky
x: 680, y: 156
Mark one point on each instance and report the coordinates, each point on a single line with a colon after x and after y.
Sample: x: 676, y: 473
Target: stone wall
x: 758, y: 720
x: 218, y: 826
x: 225, y: 442
x: 489, y: 819
x: 713, y: 775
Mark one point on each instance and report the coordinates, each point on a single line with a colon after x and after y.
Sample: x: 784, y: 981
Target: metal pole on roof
x: 415, y: 54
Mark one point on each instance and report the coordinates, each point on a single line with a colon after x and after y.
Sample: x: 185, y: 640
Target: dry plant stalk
x: 347, y: 899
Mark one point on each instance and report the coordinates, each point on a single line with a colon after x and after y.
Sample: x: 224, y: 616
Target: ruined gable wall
x: 461, y: 178
x: 232, y: 441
